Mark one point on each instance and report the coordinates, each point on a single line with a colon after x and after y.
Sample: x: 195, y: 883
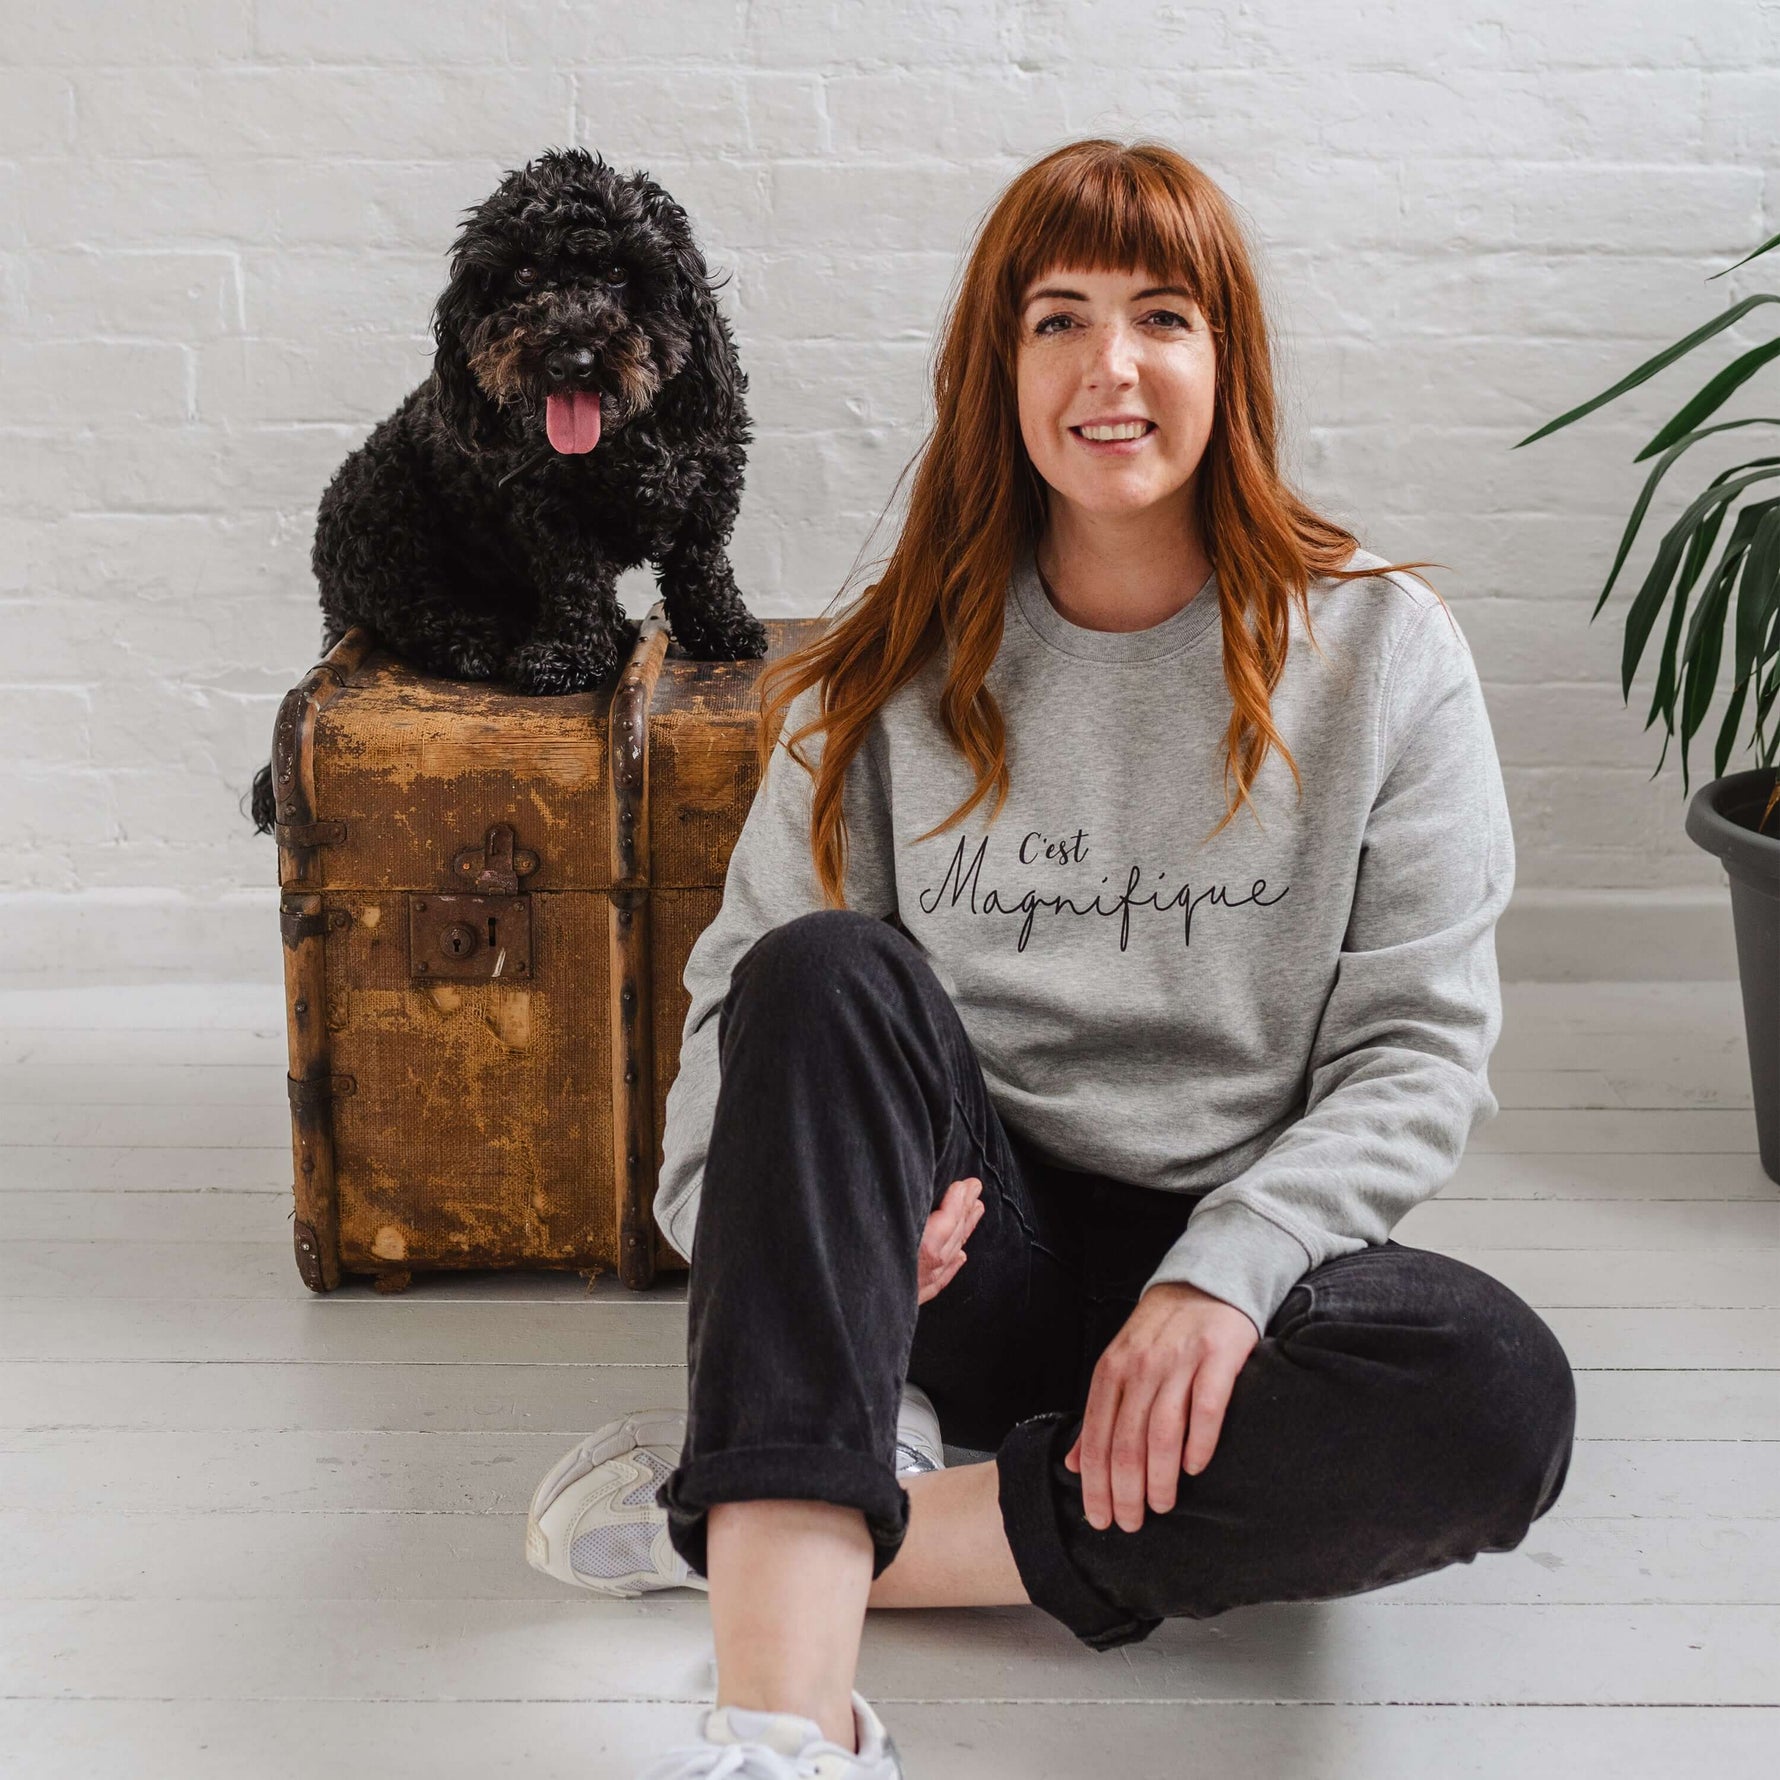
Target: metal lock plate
x: 469, y: 938
x: 475, y: 939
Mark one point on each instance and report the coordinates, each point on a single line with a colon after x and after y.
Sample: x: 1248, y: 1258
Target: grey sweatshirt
x: 1293, y: 1020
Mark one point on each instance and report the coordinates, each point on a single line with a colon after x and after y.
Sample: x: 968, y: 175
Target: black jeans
x: 1401, y: 1412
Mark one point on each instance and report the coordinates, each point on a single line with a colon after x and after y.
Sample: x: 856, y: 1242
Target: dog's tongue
x: 573, y: 420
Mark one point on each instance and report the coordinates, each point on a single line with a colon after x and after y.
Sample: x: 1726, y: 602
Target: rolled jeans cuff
x: 798, y: 1473
x: 1033, y: 1483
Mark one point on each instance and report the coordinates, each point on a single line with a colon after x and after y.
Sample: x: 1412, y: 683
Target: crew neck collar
x: 1173, y: 634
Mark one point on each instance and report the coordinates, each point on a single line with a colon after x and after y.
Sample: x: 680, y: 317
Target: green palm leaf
x: 1759, y: 602
x: 1651, y: 366
x: 1745, y: 578
x: 1764, y: 705
x: 1656, y: 475
x: 1642, y: 617
x: 1713, y: 396
x: 1705, y: 636
x: 1758, y: 597
x: 1766, y: 246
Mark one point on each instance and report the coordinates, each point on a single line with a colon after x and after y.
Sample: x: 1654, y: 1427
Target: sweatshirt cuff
x: 1235, y: 1254
x: 677, y: 1229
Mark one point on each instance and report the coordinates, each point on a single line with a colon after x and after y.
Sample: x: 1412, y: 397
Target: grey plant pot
x: 1721, y: 818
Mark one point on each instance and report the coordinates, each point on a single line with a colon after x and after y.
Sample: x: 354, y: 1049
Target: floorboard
x: 247, y: 1531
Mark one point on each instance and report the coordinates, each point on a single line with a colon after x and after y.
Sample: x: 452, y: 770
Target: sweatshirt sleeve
x: 771, y: 879
x: 1398, y: 1071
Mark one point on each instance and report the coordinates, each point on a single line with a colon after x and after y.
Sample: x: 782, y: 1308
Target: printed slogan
x: 963, y: 880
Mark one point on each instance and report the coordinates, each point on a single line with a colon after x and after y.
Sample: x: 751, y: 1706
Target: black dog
x: 584, y: 415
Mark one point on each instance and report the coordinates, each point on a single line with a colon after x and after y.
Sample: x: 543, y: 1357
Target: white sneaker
x: 918, y: 1443
x: 779, y: 1746
x: 595, y: 1521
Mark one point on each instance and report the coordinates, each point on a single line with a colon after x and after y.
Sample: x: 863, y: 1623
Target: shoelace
x: 724, y: 1761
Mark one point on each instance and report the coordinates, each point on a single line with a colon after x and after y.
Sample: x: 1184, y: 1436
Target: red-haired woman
x: 1089, y: 1119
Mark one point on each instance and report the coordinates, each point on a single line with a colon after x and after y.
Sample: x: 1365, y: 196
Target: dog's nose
x: 570, y: 364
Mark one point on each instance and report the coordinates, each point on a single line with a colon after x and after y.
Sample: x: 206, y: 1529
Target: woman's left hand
x: 1180, y: 1347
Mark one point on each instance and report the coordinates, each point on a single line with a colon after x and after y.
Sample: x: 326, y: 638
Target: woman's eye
x: 1044, y: 327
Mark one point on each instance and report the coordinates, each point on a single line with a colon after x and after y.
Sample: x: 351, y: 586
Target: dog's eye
x: 527, y: 275
x: 616, y: 274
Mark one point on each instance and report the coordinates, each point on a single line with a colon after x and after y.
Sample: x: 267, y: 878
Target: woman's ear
x: 463, y: 410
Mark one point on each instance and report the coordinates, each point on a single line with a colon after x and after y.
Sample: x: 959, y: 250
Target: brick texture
x: 222, y: 226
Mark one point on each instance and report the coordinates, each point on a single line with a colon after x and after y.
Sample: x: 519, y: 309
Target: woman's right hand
x: 942, y: 1242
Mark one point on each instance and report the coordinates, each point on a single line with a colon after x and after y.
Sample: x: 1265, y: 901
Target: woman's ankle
x: 788, y: 1587
x: 836, y: 1720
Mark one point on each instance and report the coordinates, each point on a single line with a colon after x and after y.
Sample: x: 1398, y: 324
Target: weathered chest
x: 487, y: 904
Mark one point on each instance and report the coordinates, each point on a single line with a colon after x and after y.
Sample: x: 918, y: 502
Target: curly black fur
x: 470, y: 545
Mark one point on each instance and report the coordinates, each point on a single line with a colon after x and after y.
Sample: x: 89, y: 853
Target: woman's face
x: 1114, y: 346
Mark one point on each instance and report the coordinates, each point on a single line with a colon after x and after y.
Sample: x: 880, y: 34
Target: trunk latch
x: 476, y: 938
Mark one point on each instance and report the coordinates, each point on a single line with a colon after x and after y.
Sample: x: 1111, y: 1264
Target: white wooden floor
x: 249, y: 1532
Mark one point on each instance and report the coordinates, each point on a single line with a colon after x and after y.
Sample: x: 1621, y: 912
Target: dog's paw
x: 749, y: 638
x: 470, y: 658
x: 732, y: 635
x: 548, y: 669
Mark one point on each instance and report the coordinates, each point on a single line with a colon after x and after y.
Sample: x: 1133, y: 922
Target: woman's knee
x: 819, y: 943
x: 798, y: 964
x: 831, y: 1053
x: 1512, y: 1401
x: 1484, y: 1389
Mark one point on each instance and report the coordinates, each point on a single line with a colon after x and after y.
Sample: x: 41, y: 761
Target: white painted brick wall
x: 223, y: 223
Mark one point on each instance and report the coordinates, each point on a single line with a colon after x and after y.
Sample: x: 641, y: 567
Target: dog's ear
x: 463, y: 410
x: 712, y: 367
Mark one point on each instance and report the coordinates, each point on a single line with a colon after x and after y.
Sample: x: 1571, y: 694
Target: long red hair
x: 977, y: 503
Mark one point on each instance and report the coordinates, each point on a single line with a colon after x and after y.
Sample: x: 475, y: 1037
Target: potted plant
x: 1735, y: 815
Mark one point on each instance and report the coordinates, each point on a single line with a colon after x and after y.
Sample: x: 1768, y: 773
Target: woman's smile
x: 1114, y: 438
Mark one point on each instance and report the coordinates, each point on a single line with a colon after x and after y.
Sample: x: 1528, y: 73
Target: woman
x: 1092, y: 1119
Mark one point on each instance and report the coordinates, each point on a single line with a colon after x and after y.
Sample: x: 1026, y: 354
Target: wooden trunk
x: 488, y: 900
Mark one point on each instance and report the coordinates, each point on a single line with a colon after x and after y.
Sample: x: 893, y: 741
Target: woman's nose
x: 1115, y: 355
